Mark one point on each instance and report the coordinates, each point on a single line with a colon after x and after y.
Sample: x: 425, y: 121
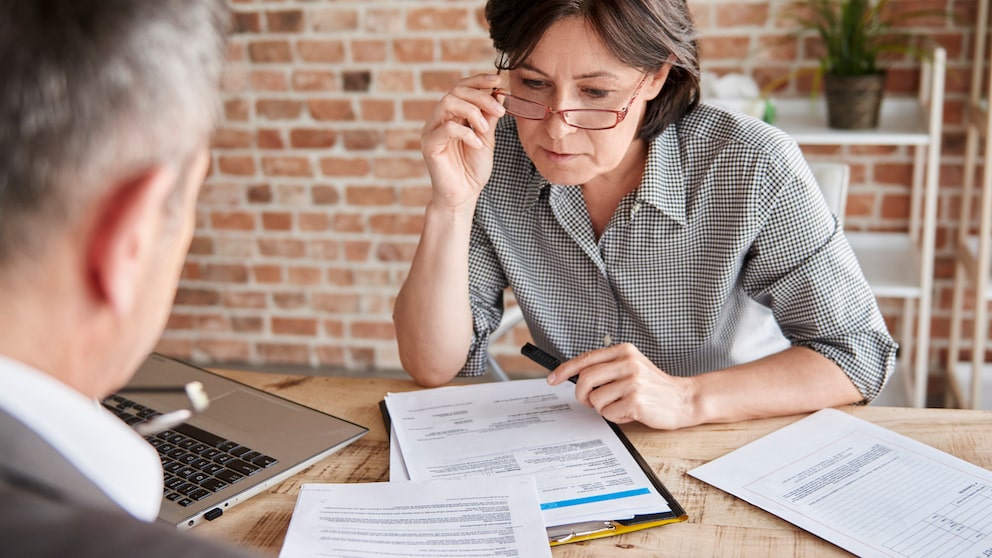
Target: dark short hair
x: 641, y: 33
x: 92, y: 90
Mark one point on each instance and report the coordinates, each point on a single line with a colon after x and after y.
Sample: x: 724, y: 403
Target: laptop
x: 246, y: 441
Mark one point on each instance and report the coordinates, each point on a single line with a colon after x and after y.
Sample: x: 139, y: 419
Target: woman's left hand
x: 624, y: 386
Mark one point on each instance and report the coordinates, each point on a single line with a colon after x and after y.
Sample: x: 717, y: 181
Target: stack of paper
x: 585, y: 474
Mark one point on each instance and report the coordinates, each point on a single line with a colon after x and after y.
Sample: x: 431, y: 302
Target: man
x: 106, y: 107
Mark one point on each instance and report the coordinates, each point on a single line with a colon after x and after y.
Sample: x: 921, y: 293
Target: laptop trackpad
x: 249, y: 412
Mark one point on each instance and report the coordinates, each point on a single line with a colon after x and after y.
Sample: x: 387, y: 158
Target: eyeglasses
x: 586, y: 119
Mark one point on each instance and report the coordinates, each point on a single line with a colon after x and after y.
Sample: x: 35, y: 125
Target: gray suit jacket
x: 49, y: 508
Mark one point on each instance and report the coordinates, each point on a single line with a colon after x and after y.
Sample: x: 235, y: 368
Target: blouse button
x: 607, y: 340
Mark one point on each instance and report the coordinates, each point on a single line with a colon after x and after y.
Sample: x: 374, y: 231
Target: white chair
x: 511, y: 317
x: 833, y: 179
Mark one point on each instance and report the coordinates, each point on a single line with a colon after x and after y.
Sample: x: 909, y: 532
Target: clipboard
x: 577, y: 532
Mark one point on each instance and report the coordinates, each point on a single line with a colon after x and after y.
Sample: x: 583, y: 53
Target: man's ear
x: 123, y: 236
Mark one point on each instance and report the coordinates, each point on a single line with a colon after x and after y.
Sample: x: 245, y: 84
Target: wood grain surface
x: 718, y: 525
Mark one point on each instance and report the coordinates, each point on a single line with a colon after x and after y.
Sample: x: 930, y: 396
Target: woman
x: 678, y: 258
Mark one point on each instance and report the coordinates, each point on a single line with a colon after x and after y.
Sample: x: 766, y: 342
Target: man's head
x: 106, y: 107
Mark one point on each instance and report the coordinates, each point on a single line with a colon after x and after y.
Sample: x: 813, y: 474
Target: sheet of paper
x: 397, y: 468
x: 524, y: 427
x: 497, y: 518
x: 862, y: 487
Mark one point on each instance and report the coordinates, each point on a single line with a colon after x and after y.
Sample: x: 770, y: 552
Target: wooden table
x: 718, y: 525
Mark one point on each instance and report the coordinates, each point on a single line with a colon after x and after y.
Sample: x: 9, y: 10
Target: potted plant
x: 856, y: 35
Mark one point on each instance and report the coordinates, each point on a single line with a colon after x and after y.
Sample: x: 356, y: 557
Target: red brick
x: 304, y: 275
x: 340, y: 277
x: 739, y: 14
x: 439, y: 80
x: 336, y: 303
x: 312, y: 138
x: 898, y: 174
x: 281, y: 221
x: 357, y: 250
x: 247, y: 324
x: 270, y: 139
x: 269, y: 80
x: 314, y: 80
x: 285, y: 21
x: 324, y: 195
x: 478, y: 50
x: 370, y: 195
x: 713, y: 48
x: 245, y: 299
x: 361, y: 357
x: 415, y: 196
x: 413, y: 50
x: 191, y: 271
x: 237, y: 165
x: 230, y: 138
x: 398, y: 167
x: 294, y: 326
x: 232, y: 220
x: 378, y: 110
x: 289, y: 300
x: 895, y: 206
x: 196, y: 297
x: 179, y: 321
x: 286, y: 166
x: 201, y: 246
x: 270, y: 51
x: 418, y: 110
x: 267, y: 273
x: 281, y: 247
x: 314, y: 222
x: 324, y: 249
x: 226, y: 273
x: 349, y: 222
x: 368, y: 50
x: 220, y: 194
x: 396, y: 224
x: 245, y: 22
x: 212, y: 322
x: 278, y: 109
x: 259, y: 193
x: 362, y: 140
x: 237, y: 109
x: 321, y: 51
x: 394, y: 81
x: 384, y: 21
x: 373, y: 330
x: 335, y: 166
x: 331, y: 109
x: 430, y: 19
x: 334, y: 20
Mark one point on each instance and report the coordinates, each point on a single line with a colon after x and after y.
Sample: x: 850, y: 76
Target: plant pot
x: 853, y: 102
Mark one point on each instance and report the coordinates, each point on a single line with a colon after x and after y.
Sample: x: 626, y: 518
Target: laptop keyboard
x: 196, y: 463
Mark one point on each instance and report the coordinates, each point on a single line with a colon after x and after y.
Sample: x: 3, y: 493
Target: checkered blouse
x: 726, y: 253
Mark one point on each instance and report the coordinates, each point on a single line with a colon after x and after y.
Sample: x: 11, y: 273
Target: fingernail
x: 551, y: 379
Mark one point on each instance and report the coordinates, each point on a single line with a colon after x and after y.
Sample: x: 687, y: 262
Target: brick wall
x: 314, y: 203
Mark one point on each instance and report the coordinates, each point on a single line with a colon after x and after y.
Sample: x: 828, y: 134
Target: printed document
x: 468, y: 519
x: 862, y: 487
x: 523, y: 427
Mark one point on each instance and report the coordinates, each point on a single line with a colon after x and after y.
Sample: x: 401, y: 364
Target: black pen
x: 541, y: 357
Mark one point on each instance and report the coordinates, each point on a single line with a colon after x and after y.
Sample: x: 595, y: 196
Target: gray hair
x: 93, y: 90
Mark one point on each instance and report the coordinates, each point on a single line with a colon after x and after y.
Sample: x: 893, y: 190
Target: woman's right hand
x: 458, y: 141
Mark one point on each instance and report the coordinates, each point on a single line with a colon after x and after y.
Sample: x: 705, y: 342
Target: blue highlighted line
x: 600, y: 498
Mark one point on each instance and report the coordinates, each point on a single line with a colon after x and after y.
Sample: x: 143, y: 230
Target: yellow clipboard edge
x: 615, y: 528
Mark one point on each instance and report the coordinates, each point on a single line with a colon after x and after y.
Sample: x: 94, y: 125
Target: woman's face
x: 571, y: 68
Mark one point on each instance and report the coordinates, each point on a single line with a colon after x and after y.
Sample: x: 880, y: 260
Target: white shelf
x: 896, y: 265
x: 901, y: 122
x: 890, y: 262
